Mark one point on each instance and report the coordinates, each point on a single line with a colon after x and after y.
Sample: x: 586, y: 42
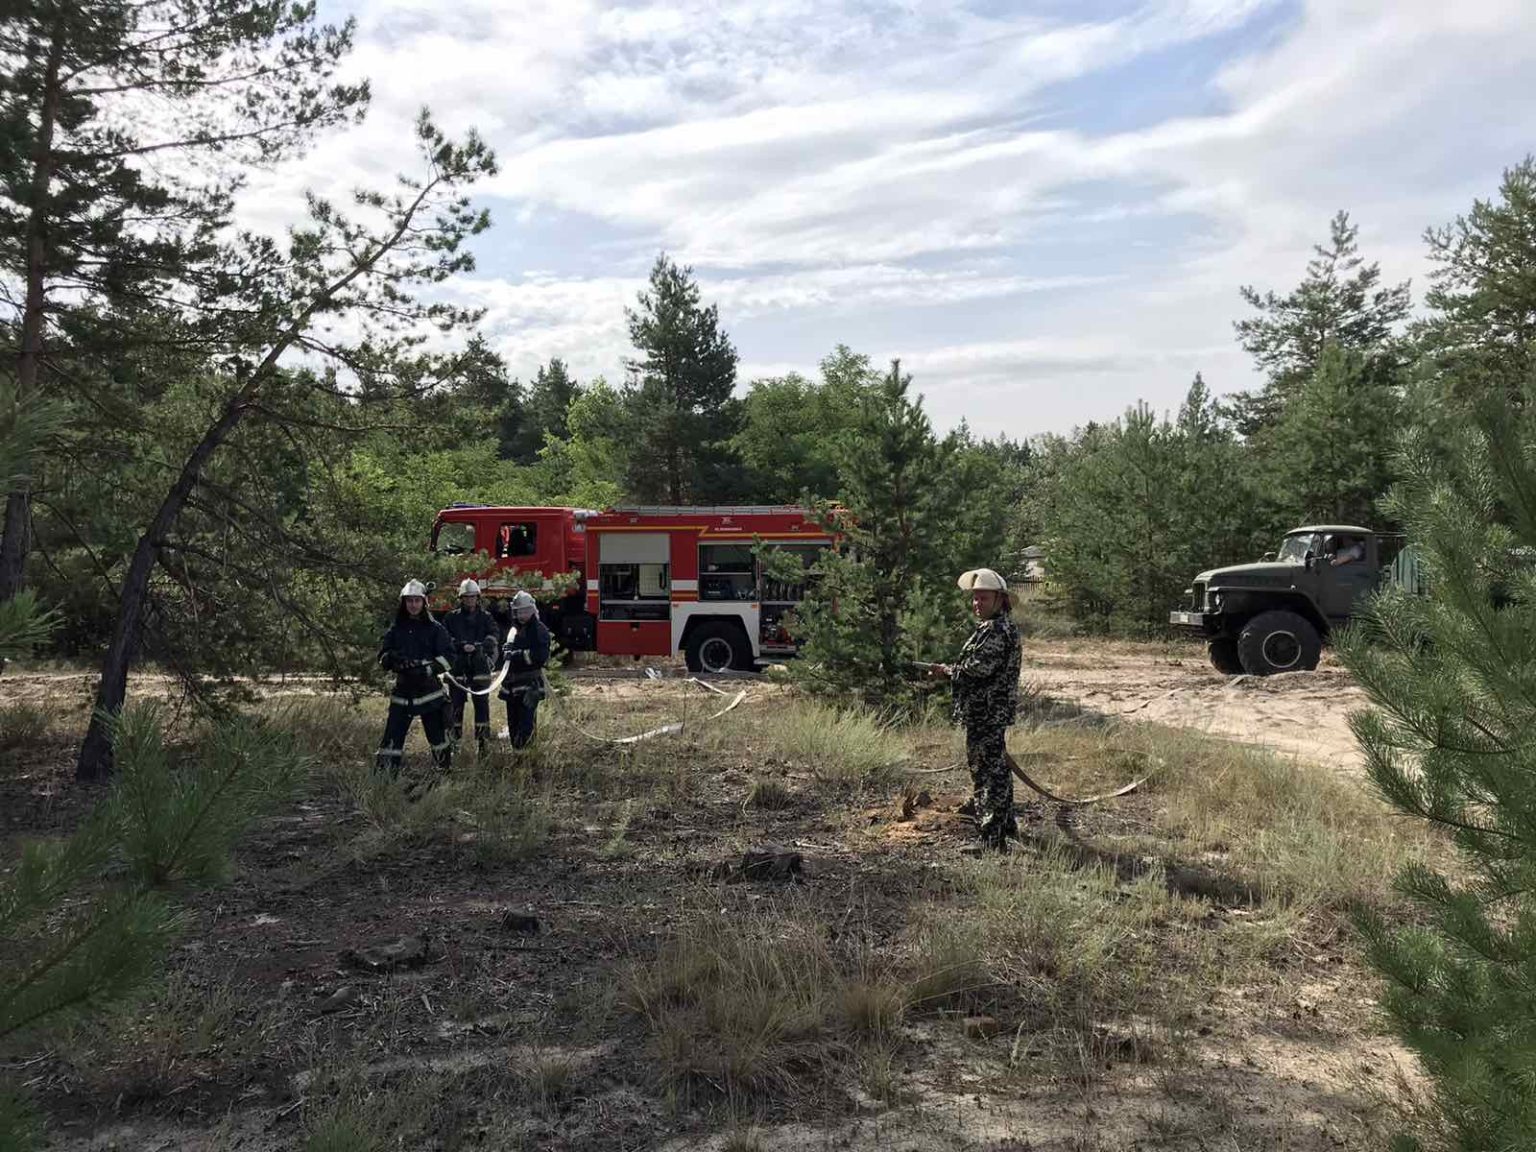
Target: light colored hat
x: 523, y: 602
x: 984, y: 579
x: 414, y: 588
x: 469, y: 588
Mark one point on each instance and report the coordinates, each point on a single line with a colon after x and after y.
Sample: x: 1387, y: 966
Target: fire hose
x: 675, y: 727
x: 1013, y: 766
x: 1041, y: 789
x: 495, y: 684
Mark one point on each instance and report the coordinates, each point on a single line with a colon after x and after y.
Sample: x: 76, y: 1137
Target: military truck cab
x: 1276, y: 615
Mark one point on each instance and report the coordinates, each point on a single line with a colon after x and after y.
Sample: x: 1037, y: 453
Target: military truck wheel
x: 1224, y: 659
x: 1278, y: 642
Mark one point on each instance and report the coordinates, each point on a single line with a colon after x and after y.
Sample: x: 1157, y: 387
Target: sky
x: 1044, y: 208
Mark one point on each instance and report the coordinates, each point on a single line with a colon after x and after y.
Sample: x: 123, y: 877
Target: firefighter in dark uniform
x: 418, y: 650
x: 475, y: 649
x: 526, y: 653
x: 986, y: 701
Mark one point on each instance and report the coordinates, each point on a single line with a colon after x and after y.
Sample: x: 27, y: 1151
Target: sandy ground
x: 1303, y: 714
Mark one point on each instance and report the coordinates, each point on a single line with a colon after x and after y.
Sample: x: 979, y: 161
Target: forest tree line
x: 231, y: 446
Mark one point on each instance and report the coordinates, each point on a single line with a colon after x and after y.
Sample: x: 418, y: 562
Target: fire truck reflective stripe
x: 418, y: 701
x: 593, y: 586
x: 685, y: 585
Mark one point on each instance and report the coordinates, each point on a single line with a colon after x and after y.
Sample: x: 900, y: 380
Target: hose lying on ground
x: 1013, y: 766
x: 669, y: 729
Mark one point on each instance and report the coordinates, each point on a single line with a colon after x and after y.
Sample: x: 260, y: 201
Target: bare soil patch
x: 1302, y: 714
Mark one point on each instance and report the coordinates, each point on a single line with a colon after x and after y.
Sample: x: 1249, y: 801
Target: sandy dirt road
x: 1303, y: 714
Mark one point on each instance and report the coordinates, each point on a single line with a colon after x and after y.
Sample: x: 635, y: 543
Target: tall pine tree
x: 855, y: 623
x: 1339, y: 301
x: 682, y: 413
x: 1452, y: 676
x: 1332, y: 448
x: 107, y: 108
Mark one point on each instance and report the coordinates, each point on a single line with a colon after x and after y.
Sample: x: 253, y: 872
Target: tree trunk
x: 95, y: 762
x: 16, y: 540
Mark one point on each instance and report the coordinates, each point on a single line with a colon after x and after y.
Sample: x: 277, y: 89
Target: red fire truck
x: 645, y: 581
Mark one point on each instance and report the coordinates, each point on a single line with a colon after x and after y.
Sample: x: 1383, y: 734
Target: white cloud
x: 849, y: 163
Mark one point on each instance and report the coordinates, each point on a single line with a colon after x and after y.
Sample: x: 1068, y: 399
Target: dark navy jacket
x: 526, y: 653
x: 407, y: 646
x: 478, y: 628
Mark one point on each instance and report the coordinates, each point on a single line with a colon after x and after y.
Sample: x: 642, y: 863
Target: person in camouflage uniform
x: 986, y: 700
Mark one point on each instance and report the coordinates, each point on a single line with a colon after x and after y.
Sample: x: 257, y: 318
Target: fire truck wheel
x: 717, y: 647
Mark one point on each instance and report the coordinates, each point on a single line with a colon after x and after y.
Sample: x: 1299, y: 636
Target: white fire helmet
x: 469, y: 588
x: 984, y: 579
x: 524, y: 606
x: 413, y: 588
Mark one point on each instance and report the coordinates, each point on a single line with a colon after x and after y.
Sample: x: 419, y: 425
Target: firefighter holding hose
x: 418, y: 650
x: 526, y: 653
x: 986, y: 700
x: 475, y: 634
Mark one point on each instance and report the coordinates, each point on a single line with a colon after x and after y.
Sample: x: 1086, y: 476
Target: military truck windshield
x: 1294, y: 549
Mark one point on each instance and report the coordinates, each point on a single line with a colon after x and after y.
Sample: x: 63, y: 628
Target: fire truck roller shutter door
x: 633, y: 575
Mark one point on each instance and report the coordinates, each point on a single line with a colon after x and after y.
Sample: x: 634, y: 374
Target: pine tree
x: 792, y: 428
x: 681, y: 409
x: 1452, y: 676
x: 276, y: 298
x: 1481, y: 329
x: 1332, y: 449
x: 24, y: 425
x: 587, y: 466
x: 486, y: 401
x: 108, y: 108
x: 855, y: 623
x: 77, y: 939
x: 1133, y: 508
x: 1340, y: 301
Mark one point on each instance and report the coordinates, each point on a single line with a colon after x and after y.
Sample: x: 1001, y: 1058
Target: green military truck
x: 1275, y: 616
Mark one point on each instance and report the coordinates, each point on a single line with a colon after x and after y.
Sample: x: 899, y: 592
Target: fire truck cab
x: 542, y: 550
x: 646, y: 581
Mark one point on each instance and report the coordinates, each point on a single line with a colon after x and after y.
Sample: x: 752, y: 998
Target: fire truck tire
x: 717, y: 647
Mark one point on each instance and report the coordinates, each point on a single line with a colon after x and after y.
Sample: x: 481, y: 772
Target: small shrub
x: 742, y: 1140
x: 491, y: 810
x: 872, y: 1006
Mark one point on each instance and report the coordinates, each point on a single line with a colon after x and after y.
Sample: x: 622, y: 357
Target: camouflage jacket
x: 986, y: 676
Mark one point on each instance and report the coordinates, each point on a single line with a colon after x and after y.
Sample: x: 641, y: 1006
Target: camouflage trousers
x: 986, y: 754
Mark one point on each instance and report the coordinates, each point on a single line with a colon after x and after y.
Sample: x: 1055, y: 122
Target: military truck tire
x: 1278, y: 642
x: 717, y: 646
x: 1224, y: 659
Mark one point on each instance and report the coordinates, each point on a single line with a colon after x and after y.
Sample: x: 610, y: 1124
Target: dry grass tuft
x: 757, y: 1009
x: 1300, y: 835
x: 23, y: 725
x: 841, y: 747
x: 768, y: 793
